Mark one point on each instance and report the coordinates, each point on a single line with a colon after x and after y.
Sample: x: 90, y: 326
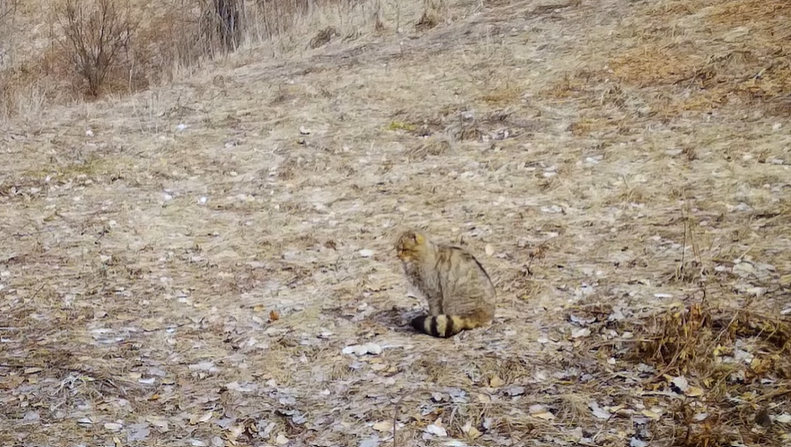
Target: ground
x: 186, y: 265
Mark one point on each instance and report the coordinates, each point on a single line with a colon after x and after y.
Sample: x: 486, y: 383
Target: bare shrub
x: 94, y: 36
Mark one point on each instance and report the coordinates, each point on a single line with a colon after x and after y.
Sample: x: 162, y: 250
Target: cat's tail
x: 446, y: 326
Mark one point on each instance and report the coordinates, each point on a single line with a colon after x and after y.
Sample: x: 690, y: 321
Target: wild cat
x: 459, y: 292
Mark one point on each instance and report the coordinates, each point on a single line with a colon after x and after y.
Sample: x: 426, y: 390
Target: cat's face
x: 409, y: 245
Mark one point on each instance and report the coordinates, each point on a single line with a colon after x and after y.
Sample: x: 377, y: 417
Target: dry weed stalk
x: 692, y: 271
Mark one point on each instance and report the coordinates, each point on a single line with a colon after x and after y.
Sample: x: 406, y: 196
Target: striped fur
x: 445, y: 326
x: 458, y: 290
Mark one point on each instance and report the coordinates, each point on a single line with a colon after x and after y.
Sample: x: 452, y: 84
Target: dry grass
x: 55, y: 53
x: 182, y: 265
x: 700, y: 366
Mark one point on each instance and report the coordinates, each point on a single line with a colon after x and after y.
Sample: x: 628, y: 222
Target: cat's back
x: 463, y: 271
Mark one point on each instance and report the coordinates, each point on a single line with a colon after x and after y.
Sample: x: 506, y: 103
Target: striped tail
x: 444, y: 326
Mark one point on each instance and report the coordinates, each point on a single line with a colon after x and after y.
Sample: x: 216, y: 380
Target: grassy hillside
x: 185, y: 264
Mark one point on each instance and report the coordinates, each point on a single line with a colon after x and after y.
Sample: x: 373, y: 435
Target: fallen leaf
x: 235, y: 431
x: 598, y: 412
x: 546, y: 415
x: 138, y: 432
x: 159, y: 422
x: 274, y: 315
x: 384, y: 426
x: 515, y: 390
x: 203, y: 366
x: 496, y: 382
x: 651, y: 414
x: 681, y: 383
x: 694, y: 391
x: 784, y: 418
x: 368, y: 348
x: 204, y: 418
x: 113, y: 426
x: 579, y: 333
x: 581, y: 321
x: 436, y: 430
x: 370, y: 442
x: 474, y: 433
x: 366, y: 253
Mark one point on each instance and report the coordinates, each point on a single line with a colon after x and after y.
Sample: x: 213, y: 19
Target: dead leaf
x: 598, y: 412
x: 784, y: 418
x: 694, y: 391
x: 274, y: 315
x: 203, y: 418
x: 235, y: 431
x: 383, y: 426
x: 113, y: 426
x: 470, y: 431
x: 579, y: 333
x: 436, y: 430
x: 681, y: 383
x: 496, y: 382
x: 651, y: 414
x: 159, y: 422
